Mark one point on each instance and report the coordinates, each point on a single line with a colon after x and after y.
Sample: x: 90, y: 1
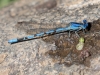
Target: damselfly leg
x: 76, y: 34
x: 84, y: 31
x: 69, y: 33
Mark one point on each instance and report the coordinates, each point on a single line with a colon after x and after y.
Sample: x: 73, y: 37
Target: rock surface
x: 29, y: 58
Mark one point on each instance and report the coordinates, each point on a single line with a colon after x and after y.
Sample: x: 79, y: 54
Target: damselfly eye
x: 84, y: 21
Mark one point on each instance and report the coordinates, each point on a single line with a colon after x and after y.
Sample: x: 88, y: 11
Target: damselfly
x: 73, y: 26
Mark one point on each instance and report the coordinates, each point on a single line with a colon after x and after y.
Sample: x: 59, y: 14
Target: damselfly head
x: 85, y: 23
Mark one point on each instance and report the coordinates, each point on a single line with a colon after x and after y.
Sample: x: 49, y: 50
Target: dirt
x: 66, y: 52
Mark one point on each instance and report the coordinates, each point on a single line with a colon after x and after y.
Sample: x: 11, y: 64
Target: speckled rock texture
x: 29, y: 57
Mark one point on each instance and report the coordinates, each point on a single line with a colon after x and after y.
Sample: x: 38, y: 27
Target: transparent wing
x: 33, y: 28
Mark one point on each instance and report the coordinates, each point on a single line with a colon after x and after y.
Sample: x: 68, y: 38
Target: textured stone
x: 2, y: 57
x: 4, y: 71
x: 75, y: 73
x: 28, y: 58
